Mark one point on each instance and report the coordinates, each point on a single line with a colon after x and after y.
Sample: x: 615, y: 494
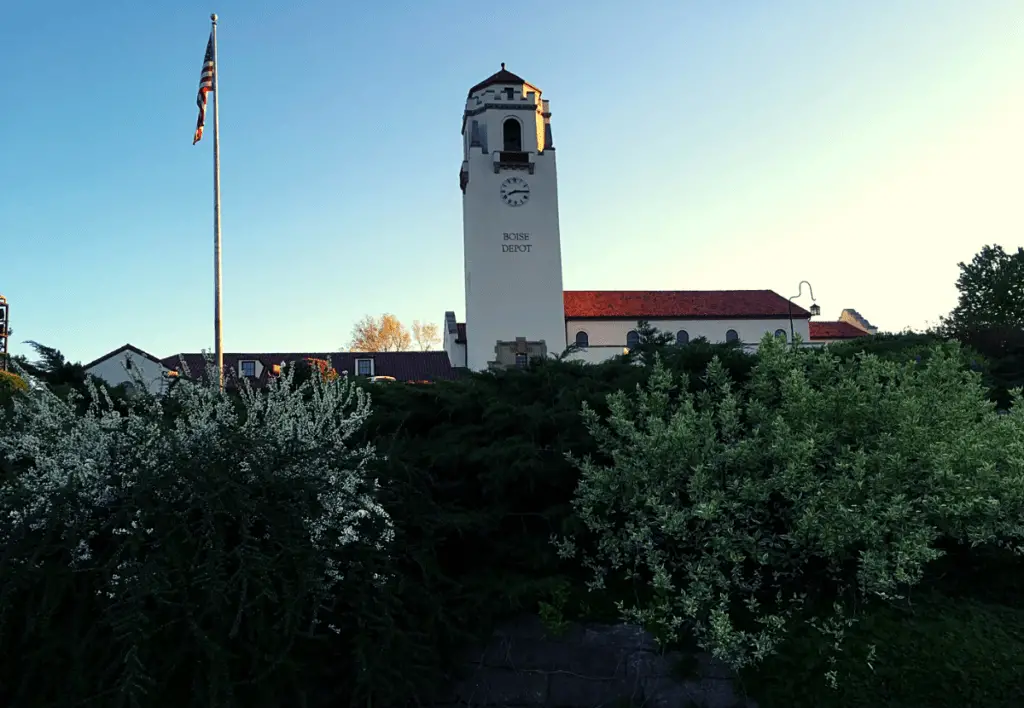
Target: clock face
x: 515, y: 191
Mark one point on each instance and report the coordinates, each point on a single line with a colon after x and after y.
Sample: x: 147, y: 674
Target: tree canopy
x: 991, y: 290
x: 380, y: 334
x: 426, y: 335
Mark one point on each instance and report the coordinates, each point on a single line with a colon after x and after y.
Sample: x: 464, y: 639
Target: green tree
x: 648, y: 334
x: 52, y: 368
x: 989, y: 316
x: 650, y: 341
x: 991, y: 290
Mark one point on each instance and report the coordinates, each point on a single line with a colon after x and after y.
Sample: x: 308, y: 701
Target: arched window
x: 582, y: 340
x: 732, y: 336
x: 780, y: 334
x: 632, y: 338
x: 682, y: 337
x: 512, y: 135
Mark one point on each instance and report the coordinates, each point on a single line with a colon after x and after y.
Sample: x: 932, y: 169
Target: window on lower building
x: 781, y: 334
x: 247, y: 368
x: 682, y: 337
x: 582, y: 340
x: 364, y: 367
x: 732, y: 336
x: 128, y: 363
x: 522, y: 360
x: 632, y: 338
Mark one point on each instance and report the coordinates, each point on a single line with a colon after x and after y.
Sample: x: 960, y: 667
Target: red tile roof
x: 835, y: 330
x: 682, y: 304
x: 404, y: 366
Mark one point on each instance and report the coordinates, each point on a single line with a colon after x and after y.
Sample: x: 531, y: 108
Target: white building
x: 515, y: 305
x: 127, y: 365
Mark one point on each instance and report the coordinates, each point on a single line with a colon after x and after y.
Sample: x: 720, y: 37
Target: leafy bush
x: 821, y: 485
x: 201, y: 560
x: 10, y: 385
x: 941, y: 653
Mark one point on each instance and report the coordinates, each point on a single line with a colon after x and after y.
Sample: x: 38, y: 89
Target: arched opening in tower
x: 512, y: 135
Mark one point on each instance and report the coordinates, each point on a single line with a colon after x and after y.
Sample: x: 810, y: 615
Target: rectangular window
x: 522, y: 360
x: 364, y: 367
x: 247, y: 368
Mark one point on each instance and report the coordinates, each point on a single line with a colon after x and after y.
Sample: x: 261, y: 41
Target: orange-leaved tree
x: 426, y: 335
x: 380, y: 334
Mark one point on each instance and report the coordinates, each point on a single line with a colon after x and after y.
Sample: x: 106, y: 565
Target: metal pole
x: 218, y: 334
x: 791, y: 333
x: 800, y: 292
x: 5, y: 331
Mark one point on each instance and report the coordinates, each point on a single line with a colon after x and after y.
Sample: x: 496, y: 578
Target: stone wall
x: 588, y: 666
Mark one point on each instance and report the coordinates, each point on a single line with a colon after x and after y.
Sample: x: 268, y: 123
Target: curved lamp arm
x: 801, y: 291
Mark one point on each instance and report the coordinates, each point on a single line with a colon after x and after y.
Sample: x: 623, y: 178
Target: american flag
x: 205, y: 86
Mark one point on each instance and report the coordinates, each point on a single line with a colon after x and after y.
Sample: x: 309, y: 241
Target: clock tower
x: 513, y: 254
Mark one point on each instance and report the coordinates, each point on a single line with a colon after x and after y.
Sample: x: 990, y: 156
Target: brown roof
x: 501, y: 78
x: 119, y: 350
x: 460, y: 332
x: 404, y: 366
x: 835, y: 330
x: 682, y: 304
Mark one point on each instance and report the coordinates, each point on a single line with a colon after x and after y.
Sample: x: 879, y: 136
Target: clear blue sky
x: 866, y: 146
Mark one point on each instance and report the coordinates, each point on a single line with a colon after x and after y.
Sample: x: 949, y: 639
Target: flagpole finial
x: 213, y: 18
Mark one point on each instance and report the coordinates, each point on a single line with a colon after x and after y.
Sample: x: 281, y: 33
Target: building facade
x: 130, y: 366
x: 516, y: 307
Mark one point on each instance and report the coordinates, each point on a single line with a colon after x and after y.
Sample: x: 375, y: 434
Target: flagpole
x: 219, y: 342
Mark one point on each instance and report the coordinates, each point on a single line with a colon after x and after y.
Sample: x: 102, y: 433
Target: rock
x: 589, y: 666
x: 501, y: 687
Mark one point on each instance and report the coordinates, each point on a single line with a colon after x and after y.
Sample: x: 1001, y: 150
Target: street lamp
x: 5, y: 331
x: 815, y: 310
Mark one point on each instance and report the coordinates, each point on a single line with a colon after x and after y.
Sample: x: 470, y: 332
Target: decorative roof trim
x: 120, y: 350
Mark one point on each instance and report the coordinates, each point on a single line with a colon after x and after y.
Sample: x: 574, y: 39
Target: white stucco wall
x: 613, y: 332
x: 608, y: 337
x: 513, y: 258
x: 595, y: 355
x: 457, y: 354
x: 456, y: 351
x: 112, y: 371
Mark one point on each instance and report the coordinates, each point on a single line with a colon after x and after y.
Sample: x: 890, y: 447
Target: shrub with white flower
x: 184, y: 549
x: 819, y: 486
